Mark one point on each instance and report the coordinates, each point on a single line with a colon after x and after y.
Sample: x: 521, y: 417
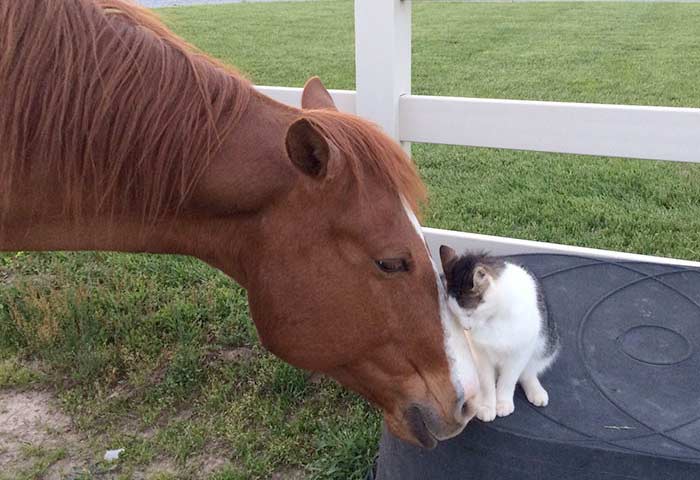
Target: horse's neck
x: 248, y: 173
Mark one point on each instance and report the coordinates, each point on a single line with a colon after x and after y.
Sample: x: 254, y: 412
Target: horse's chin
x: 412, y: 428
x: 421, y: 427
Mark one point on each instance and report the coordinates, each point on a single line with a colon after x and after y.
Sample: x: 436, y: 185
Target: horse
x: 117, y: 135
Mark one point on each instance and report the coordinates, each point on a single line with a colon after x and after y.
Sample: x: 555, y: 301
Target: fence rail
x: 655, y: 133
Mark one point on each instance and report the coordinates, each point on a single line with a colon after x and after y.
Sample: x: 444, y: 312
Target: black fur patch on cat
x: 549, y: 328
x: 459, y: 277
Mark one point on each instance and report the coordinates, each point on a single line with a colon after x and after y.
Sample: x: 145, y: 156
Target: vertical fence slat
x: 382, y: 60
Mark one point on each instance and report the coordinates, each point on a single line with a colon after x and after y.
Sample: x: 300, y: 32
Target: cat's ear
x: 481, y: 279
x: 447, y: 254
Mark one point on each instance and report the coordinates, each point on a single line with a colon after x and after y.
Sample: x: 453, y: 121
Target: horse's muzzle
x: 428, y: 427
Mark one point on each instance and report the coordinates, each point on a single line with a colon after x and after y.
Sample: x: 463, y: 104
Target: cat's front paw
x: 538, y: 398
x: 505, y: 408
x: 486, y: 413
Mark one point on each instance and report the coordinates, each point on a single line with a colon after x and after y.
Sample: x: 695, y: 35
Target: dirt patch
x: 208, y: 464
x: 198, y: 468
x: 30, y: 426
x: 289, y: 474
x: 316, y: 378
x: 26, y: 418
x: 237, y: 355
x: 162, y: 468
x: 6, y: 277
x: 35, y: 436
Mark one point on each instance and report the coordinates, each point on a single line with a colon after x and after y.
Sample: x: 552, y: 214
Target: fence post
x: 382, y: 60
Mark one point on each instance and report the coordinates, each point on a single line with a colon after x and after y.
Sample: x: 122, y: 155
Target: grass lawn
x: 157, y: 354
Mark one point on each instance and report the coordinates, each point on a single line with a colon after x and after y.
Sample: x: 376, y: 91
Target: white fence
x: 383, y: 66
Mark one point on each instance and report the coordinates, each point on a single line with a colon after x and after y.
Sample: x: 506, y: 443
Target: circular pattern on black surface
x: 655, y: 345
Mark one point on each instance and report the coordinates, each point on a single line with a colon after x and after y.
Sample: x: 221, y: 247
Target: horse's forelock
x: 369, y: 151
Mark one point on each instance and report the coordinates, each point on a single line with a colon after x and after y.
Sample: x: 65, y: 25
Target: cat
x: 513, y: 340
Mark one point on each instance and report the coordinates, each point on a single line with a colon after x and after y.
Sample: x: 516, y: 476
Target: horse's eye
x: 393, y: 265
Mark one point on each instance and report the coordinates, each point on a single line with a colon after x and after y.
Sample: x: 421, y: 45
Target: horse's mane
x: 101, y: 96
x: 369, y: 151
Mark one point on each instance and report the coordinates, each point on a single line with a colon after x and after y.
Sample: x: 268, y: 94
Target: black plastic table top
x: 624, y: 392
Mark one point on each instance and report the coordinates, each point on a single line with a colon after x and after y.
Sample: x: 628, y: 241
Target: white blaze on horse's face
x: 462, y: 368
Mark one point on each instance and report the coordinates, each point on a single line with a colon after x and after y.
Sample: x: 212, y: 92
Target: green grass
x: 158, y: 355
x: 14, y: 374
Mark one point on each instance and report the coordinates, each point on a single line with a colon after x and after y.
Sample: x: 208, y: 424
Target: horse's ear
x: 447, y: 254
x: 309, y: 150
x: 315, y: 95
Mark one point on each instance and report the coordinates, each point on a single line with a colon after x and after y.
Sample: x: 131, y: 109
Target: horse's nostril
x: 460, y: 398
x: 471, y: 392
x: 464, y: 411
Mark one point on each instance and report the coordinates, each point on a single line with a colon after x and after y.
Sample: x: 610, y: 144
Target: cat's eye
x: 393, y: 265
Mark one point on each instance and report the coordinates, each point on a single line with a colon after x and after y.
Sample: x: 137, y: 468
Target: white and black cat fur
x: 501, y: 306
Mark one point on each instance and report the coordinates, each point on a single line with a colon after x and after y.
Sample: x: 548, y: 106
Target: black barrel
x: 624, y: 392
